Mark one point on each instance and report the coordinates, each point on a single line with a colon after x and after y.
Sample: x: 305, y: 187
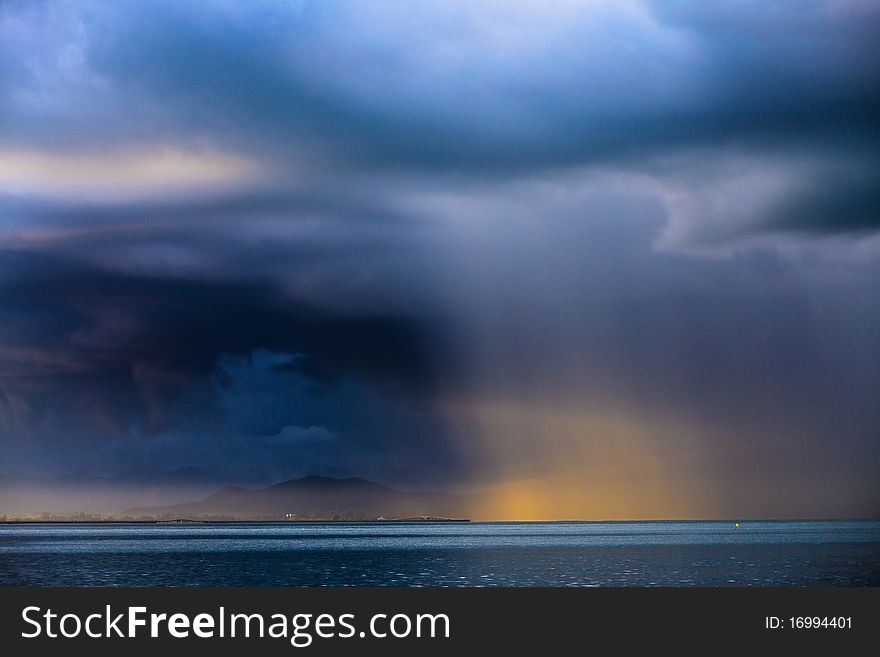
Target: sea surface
x: 783, y: 553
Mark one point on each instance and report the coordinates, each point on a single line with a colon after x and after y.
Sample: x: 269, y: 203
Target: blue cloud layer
x: 422, y: 205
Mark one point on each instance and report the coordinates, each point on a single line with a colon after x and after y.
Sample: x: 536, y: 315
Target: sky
x: 601, y: 259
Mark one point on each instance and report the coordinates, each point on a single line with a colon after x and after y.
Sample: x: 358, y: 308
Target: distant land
x: 155, y: 496
x: 312, y: 498
x: 82, y: 493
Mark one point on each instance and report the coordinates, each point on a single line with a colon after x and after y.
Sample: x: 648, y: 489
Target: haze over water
x: 777, y: 553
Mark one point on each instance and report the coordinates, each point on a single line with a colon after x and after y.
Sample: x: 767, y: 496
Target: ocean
x: 718, y: 553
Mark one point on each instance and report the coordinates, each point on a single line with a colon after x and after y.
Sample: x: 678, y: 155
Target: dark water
x: 838, y: 553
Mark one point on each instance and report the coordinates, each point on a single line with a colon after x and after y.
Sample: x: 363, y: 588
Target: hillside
x: 312, y: 497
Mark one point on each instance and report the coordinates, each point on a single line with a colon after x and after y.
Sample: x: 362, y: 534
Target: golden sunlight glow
x: 589, y: 464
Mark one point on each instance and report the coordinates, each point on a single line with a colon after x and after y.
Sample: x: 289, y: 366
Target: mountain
x: 312, y: 497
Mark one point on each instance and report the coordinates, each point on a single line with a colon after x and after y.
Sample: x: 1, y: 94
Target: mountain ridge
x: 312, y: 497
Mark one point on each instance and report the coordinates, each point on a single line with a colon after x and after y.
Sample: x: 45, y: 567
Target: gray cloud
x: 282, y: 237
x: 457, y: 86
x: 471, y: 88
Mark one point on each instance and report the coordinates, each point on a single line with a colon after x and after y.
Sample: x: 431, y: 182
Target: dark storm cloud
x: 281, y: 236
x: 382, y: 87
x: 343, y: 204
x: 844, y: 204
x: 90, y: 356
x: 286, y: 230
x: 452, y: 88
x: 268, y: 421
x: 188, y: 325
x: 723, y: 198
